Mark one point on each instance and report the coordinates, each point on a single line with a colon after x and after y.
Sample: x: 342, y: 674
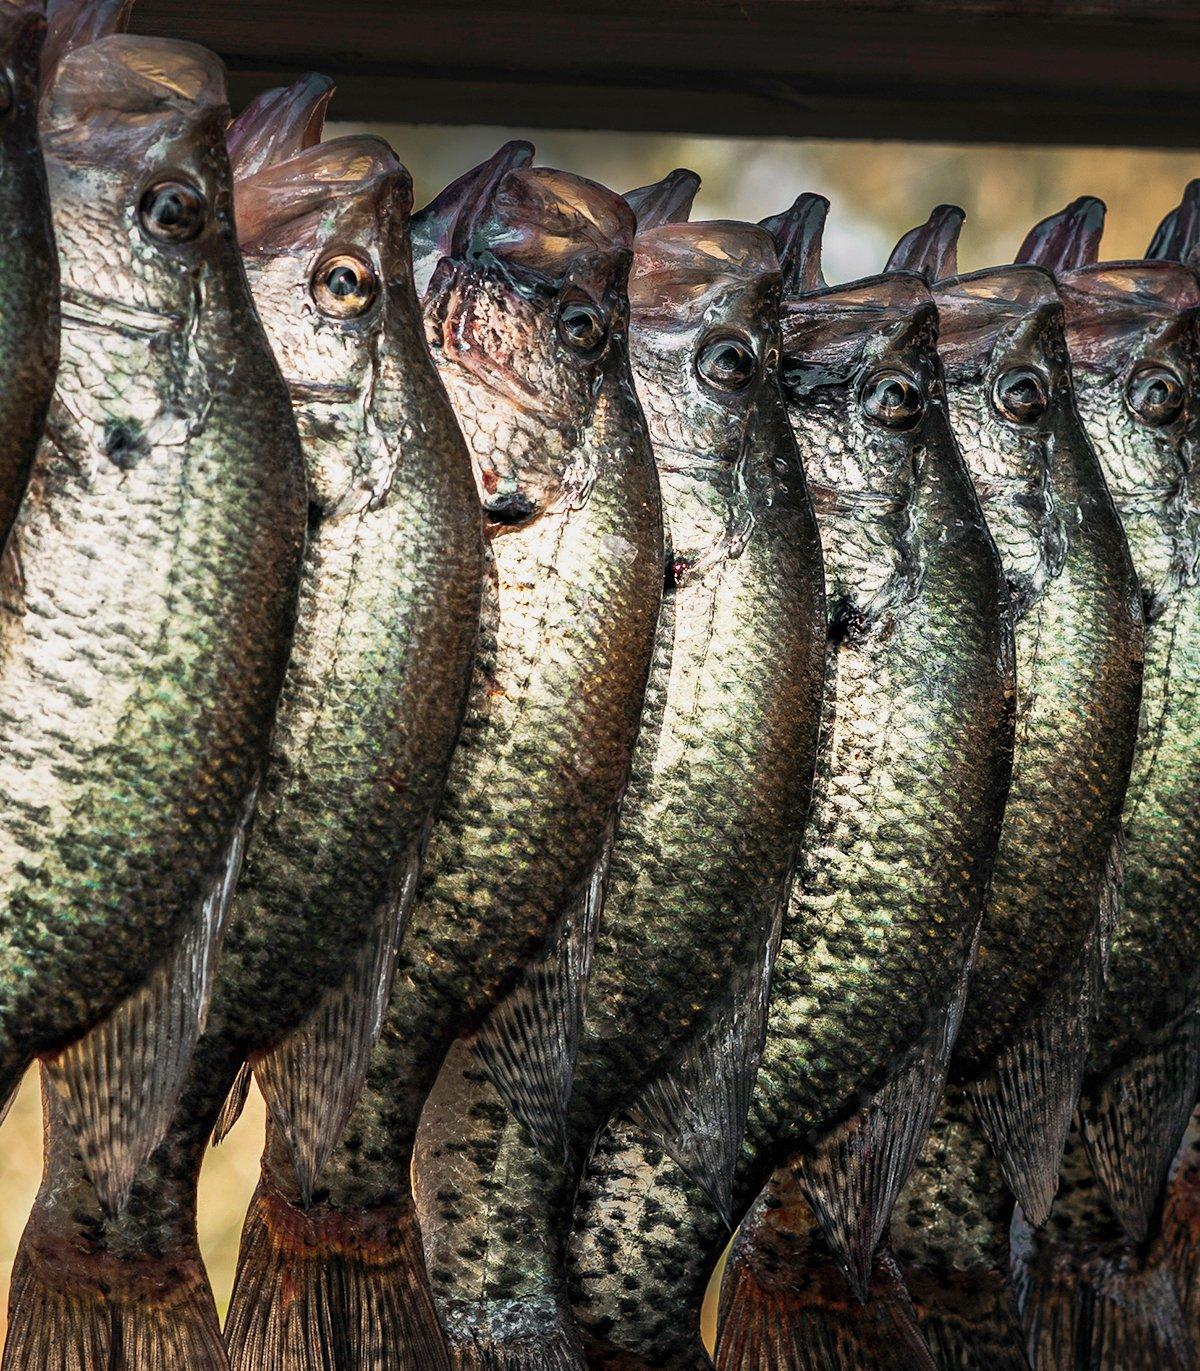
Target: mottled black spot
x: 1153, y: 605
x: 124, y: 443
x: 845, y: 621
x: 510, y: 508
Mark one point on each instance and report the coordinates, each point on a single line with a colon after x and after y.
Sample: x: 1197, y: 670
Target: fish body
x: 889, y: 890
x: 706, y: 841
x: 527, y: 324
x: 368, y: 717
x: 29, y: 282
x: 150, y: 588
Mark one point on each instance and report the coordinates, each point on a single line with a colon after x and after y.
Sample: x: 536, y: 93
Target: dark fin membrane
x: 1180, y: 1245
x: 798, y: 232
x: 931, y: 249
x: 1132, y: 1121
x: 72, y: 24
x: 697, y: 1111
x: 278, y: 124
x: 235, y: 1102
x: 119, y: 1084
x: 1067, y: 240
x: 970, y: 1320
x: 1177, y: 238
x: 668, y: 201
x: 551, y: 1350
x: 325, y: 1289
x: 69, y: 1312
x: 442, y: 228
x: 785, y: 1304
x: 1087, y: 1305
x: 1026, y: 1101
x: 312, y: 1080
x: 529, y: 1043
x: 854, y: 1175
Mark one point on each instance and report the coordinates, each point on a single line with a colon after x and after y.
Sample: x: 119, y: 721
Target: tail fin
x: 555, y: 1352
x: 970, y: 1320
x: 74, y: 1311
x: 331, y: 1288
x: 1181, y: 1226
x: 785, y: 1303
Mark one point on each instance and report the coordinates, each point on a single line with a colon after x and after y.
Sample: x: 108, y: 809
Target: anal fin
x: 119, y: 1084
x: 312, y: 1079
x: 235, y: 1102
x: 1133, y: 1119
x: 696, y: 1110
x: 528, y: 1044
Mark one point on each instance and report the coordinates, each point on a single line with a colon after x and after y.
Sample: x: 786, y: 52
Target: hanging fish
x: 896, y: 857
x: 1131, y: 330
x: 150, y: 593
x: 526, y: 316
x: 706, y: 843
x: 29, y: 276
x: 369, y: 714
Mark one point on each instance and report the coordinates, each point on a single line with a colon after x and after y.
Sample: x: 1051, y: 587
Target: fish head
x: 526, y: 321
x: 704, y: 346
x: 132, y: 133
x: 323, y: 231
x: 22, y: 34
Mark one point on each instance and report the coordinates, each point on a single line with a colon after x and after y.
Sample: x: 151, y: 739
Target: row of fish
x: 829, y: 877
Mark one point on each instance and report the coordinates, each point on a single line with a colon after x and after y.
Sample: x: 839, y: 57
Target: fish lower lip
x: 98, y: 311
x: 328, y: 391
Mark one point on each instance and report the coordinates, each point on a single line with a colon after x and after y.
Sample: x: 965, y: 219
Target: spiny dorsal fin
x: 668, y: 201
x: 72, y: 24
x: 798, y: 232
x: 278, y: 124
x: 1177, y: 238
x: 1067, y: 240
x: 931, y: 249
x: 443, y: 226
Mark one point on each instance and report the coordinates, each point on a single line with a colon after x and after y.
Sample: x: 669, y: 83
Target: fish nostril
x: 509, y: 508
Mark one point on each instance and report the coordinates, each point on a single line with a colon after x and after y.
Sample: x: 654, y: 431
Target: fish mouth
x: 323, y: 392
x: 680, y: 461
x: 85, y: 310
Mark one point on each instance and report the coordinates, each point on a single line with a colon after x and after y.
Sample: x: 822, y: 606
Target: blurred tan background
x: 877, y: 190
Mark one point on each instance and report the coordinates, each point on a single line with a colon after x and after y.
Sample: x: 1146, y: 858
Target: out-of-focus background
x: 877, y: 190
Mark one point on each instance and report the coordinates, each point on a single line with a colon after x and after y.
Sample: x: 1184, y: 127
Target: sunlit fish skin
x: 368, y: 717
x: 29, y: 273
x: 526, y: 316
x: 896, y: 857
x: 149, y: 596
x: 709, y: 827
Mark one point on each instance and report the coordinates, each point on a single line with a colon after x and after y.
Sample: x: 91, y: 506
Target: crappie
x: 706, y: 842
x: 29, y: 278
x: 369, y: 713
x: 894, y: 864
x: 526, y: 315
x: 149, y: 596
x: 1086, y: 1287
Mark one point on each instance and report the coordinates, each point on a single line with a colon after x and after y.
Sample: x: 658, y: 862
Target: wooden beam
x: 1034, y: 71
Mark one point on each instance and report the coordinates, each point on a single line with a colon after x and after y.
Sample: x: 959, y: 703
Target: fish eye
x: 172, y: 211
x: 726, y: 364
x: 892, y: 398
x: 344, y: 286
x: 1020, y: 395
x: 582, y: 327
x: 1154, y: 394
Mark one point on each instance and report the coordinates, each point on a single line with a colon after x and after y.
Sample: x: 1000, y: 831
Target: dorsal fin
x: 72, y: 24
x: 931, y: 249
x: 443, y: 226
x: 1177, y: 238
x: 798, y: 232
x: 668, y: 201
x: 1067, y: 240
x: 279, y: 123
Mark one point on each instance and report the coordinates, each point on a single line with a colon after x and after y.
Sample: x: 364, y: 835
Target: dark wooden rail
x: 1037, y: 71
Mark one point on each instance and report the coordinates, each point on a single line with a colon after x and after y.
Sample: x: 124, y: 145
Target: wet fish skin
x: 706, y: 841
x: 29, y: 280
x: 565, y: 473
x: 368, y: 716
x: 151, y: 583
x: 870, y: 972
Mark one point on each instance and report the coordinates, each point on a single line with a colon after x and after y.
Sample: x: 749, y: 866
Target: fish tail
x: 326, y: 1288
x: 969, y: 1319
x: 1181, y: 1226
x: 1132, y: 1122
x: 785, y: 1303
x: 75, y: 1310
x: 1088, y: 1296
x: 551, y: 1351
